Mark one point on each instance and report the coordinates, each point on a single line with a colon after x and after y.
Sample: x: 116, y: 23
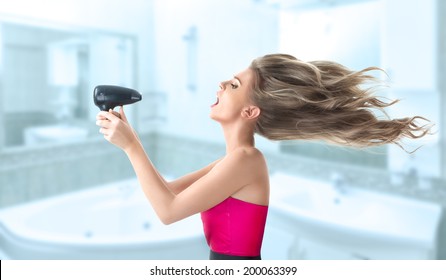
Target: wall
x: 410, y: 56
x: 331, y: 33
x: 229, y: 34
x: 330, y: 38
x: 441, y: 11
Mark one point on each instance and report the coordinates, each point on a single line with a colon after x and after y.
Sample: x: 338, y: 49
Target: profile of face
x: 233, y: 99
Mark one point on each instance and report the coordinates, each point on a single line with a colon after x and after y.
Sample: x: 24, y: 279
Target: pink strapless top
x: 235, y: 227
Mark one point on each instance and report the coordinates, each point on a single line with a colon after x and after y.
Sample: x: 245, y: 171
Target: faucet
x: 339, y: 183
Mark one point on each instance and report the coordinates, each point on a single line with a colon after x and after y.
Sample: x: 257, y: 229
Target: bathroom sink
x: 319, y: 211
x: 54, y: 133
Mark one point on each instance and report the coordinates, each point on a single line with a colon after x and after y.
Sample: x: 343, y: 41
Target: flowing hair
x: 323, y: 100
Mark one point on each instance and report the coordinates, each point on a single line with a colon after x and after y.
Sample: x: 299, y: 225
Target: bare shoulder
x: 253, y: 159
x: 250, y: 161
x: 242, y: 161
x: 245, y: 157
x: 247, y: 153
x: 255, y: 172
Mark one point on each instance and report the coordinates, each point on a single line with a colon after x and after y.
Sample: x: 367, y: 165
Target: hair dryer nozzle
x: 107, y: 97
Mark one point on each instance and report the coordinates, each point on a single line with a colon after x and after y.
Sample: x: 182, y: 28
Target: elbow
x: 167, y: 219
x: 169, y: 215
x: 166, y: 222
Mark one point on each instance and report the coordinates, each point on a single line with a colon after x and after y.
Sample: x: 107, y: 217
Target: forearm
x: 152, y: 184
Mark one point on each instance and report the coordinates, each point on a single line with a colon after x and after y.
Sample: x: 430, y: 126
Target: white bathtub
x: 114, y: 221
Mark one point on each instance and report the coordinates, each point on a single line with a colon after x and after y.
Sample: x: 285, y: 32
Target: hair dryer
x: 107, y: 97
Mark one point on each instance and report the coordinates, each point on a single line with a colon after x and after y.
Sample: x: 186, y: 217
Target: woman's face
x: 233, y: 97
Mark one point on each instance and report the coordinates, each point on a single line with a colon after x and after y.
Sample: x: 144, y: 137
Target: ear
x: 250, y: 112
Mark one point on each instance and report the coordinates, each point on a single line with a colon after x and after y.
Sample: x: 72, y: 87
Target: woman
x: 280, y: 98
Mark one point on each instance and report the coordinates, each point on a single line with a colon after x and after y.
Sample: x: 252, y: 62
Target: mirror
x: 47, y: 80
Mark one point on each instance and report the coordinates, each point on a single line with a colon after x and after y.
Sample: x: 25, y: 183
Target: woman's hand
x: 116, y: 128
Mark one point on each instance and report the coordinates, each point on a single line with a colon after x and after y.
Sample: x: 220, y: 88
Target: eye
x: 234, y: 86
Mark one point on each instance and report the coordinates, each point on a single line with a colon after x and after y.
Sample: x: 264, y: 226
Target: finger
x: 123, y: 116
x: 115, y: 113
x: 103, y: 123
x: 100, y: 117
x: 103, y: 131
x: 106, y: 137
x: 108, y: 115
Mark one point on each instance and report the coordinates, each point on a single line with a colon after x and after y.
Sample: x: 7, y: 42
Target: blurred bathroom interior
x: 54, y: 52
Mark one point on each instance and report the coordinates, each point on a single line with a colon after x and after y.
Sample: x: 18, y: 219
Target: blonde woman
x: 280, y: 98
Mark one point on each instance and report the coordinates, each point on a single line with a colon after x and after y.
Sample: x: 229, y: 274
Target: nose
x: 221, y: 87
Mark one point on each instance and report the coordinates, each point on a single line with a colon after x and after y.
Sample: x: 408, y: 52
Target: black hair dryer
x: 107, y: 97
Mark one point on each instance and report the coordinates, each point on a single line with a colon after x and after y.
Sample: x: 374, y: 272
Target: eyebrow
x: 238, y: 79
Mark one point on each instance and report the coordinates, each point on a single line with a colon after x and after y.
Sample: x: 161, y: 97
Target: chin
x: 215, y: 117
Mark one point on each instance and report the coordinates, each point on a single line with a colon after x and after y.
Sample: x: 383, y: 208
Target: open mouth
x: 215, y: 104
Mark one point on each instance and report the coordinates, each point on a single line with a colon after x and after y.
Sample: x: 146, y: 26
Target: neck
x: 237, y: 136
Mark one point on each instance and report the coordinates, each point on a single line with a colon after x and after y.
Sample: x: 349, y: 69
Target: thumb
x: 123, y: 116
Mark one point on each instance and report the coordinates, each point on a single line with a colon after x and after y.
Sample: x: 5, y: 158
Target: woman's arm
x: 180, y: 184
x: 225, y: 178
x: 210, y: 185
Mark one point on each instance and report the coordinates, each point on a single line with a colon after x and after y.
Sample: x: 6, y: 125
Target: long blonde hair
x: 323, y: 100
